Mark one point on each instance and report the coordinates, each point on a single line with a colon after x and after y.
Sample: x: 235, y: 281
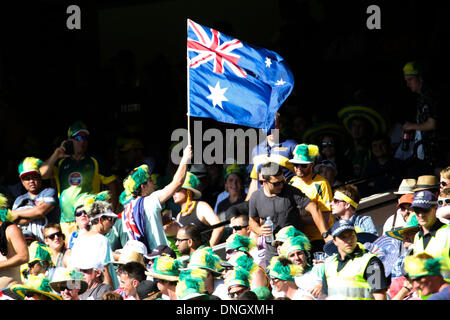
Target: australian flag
x: 234, y: 82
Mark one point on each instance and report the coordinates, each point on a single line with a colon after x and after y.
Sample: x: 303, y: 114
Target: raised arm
x: 46, y: 168
x: 178, y: 178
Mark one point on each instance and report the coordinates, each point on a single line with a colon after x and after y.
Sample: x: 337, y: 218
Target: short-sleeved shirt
x: 280, y: 153
x: 283, y: 208
x: 318, y: 189
x: 25, y: 201
x: 75, y: 177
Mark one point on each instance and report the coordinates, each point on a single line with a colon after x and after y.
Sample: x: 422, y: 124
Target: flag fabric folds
x: 232, y: 81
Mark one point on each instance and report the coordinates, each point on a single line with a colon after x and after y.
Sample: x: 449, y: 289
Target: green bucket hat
x: 191, y: 285
x: 305, y: 153
x: 234, y: 168
x: 205, y: 258
x: 35, y: 284
x: 76, y: 128
x: 299, y: 242
x: 411, y: 224
x: 240, y: 243
x: 286, y: 233
x: 39, y: 252
x: 284, y: 272
x: 238, y: 277
x: 192, y: 183
x: 29, y: 165
x: 165, y: 268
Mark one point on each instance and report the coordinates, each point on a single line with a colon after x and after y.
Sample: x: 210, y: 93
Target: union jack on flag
x: 232, y: 81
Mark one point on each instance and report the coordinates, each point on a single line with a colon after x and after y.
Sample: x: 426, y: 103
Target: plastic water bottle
x: 268, y: 222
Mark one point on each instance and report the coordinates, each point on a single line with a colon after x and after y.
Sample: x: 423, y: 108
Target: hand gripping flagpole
x: 188, y: 100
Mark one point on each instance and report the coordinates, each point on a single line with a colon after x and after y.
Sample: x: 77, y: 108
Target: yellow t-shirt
x: 318, y: 189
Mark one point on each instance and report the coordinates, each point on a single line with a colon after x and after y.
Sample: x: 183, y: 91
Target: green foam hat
x: 192, y: 183
x: 263, y: 293
x: 240, y: 243
x: 206, y: 258
x: 165, y: 268
x: 191, y: 285
x: 412, y: 68
x: 305, y: 153
x: 243, y: 260
x: 418, y: 267
x: 284, y: 272
x: 29, y: 165
x: 299, y: 242
x: 139, y: 176
x: 285, y: 233
x: 76, y: 128
x: 5, y: 213
x: 238, y: 277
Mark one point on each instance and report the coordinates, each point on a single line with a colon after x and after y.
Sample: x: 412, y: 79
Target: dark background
x: 51, y: 76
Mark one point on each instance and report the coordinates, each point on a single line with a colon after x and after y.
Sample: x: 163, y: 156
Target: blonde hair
x: 445, y: 173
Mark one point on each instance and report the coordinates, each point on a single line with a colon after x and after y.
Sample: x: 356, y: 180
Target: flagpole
x: 187, y: 87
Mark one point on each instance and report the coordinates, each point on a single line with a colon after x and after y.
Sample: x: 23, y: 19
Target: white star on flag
x: 217, y: 95
x: 280, y: 82
x: 268, y: 62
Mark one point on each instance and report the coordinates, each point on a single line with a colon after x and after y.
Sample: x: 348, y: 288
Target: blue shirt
x: 365, y: 223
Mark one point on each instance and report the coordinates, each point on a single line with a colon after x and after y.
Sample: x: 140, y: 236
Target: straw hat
x: 68, y: 278
x: 426, y: 182
x: 406, y: 186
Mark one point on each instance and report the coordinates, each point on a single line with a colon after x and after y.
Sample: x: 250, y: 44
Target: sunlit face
x: 413, y: 83
x: 54, y: 238
x: 298, y: 257
x: 423, y: 284
x: 32, y: 182
x: 444, y: 183
x: 182, y: 242
x: 128, y: 284
x: 404, y: 210
x: 303, y: 170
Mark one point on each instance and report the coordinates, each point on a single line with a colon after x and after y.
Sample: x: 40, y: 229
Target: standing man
x: 316, y: 188
x: 38, y: 206
x: 281, y: 202
x: 77, y: 173
x: 353, y: 273
x: 425, y: 126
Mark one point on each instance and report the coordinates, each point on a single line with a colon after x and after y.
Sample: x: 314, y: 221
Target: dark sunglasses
x: 237, y: 228
x: 80, y: 138
x: 325, y: 144
x: 54, y: 235
x: 443, y: 183
x: 276, y: 184
x: 301, y: 165
x: 442, y: 201
x: 111, y: 219
x: 80, y: 213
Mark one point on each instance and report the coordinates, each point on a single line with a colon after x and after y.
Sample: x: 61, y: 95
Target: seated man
x: 39, y: 205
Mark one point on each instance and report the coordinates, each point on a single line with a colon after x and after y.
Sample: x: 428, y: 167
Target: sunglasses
x: 442, y: 201
x: 237, y: 293
x: 326, y: 144
x: 276, y: 184
x: 80, y: 213
x: 237, y: 228
x: 302, y: 165
x: 54, y: 235
x: 80, y: 138
x: 110, y: 219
